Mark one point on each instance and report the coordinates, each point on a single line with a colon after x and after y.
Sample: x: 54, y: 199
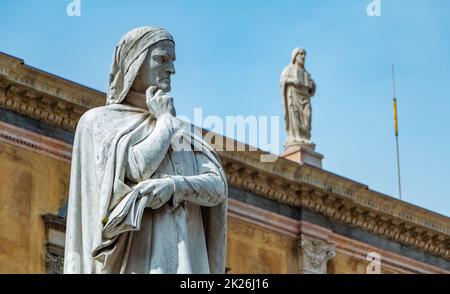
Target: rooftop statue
x: 297, y: 88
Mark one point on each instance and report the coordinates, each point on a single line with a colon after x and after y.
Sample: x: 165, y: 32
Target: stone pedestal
x: 303, y: 154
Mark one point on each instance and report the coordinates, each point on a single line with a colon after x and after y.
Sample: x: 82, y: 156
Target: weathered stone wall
x: 31, y: 184
x: 255, y: 250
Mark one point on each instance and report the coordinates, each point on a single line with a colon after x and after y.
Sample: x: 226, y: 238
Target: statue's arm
x: 291, y: 81
x: 145, y: 157
x: 313, y: 88
x: 286, y: 77
x: 206, y: 189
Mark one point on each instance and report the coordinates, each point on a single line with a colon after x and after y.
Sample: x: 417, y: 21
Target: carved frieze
x: 341, y: 204
x: 41, y: 107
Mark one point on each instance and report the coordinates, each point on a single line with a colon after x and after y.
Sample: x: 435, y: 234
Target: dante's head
x: 298, y: 57
x: 143, y: 57
x: 156, y: 68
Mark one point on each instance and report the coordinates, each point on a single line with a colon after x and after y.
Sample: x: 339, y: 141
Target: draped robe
x: 297, y: 87
x: 117, y: 148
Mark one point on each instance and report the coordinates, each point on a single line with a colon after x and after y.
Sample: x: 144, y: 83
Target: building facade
x: 283, y: 217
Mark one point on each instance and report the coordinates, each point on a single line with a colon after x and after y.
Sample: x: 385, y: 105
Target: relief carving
x: 314, y: 255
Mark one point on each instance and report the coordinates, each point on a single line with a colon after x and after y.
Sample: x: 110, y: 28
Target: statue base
x: 303, y: 153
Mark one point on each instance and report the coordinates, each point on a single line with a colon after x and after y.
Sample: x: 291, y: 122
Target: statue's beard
x: 164, y: 85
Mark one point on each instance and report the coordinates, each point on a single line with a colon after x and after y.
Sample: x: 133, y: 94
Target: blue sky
x: 230, y: 55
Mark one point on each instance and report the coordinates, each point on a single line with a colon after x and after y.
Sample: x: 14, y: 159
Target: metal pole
x: 396, y: 135
x: 398, y: 170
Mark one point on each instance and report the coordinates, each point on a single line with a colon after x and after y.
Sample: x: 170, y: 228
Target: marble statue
x: 297, y: 88
x: 146, y: 194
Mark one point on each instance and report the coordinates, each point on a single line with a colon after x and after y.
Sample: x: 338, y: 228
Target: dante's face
x: 157, y: 67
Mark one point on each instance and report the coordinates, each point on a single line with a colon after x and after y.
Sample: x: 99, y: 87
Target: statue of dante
x: 297, y: 88
x: 138, y: 203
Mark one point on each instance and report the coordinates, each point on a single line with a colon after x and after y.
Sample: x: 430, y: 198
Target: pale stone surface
x: 303, y: 154
x: 30, y: 184
x: 146, y: 195
x: 297, y: 88
x: 314, y: 255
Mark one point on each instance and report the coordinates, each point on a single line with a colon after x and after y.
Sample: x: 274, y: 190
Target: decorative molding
x: 340, y: 200
x: 14, y: 71
x: 314, y: 255
x: 290, y: 227
x: 44, y: 108
x: 263, y: 218
x: 29, y: 140
x: 40, y: 95
x: 54, y: 222
x: 389, y: 260
x: 54, y: 259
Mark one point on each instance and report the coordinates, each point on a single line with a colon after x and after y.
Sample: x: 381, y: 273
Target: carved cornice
x: 43, y: 96
x: 339, y: 199
x: 43, y: 108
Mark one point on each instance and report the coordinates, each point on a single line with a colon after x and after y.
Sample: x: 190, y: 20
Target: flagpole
x: 396, y: 134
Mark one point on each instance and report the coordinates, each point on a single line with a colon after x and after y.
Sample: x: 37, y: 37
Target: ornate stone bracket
x: 314, y: 255
x: 54, y: 259
x: 56, y: 228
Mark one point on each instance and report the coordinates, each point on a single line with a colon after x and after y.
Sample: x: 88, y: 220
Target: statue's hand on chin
x: 159, y: 191
x: 158, y: 102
